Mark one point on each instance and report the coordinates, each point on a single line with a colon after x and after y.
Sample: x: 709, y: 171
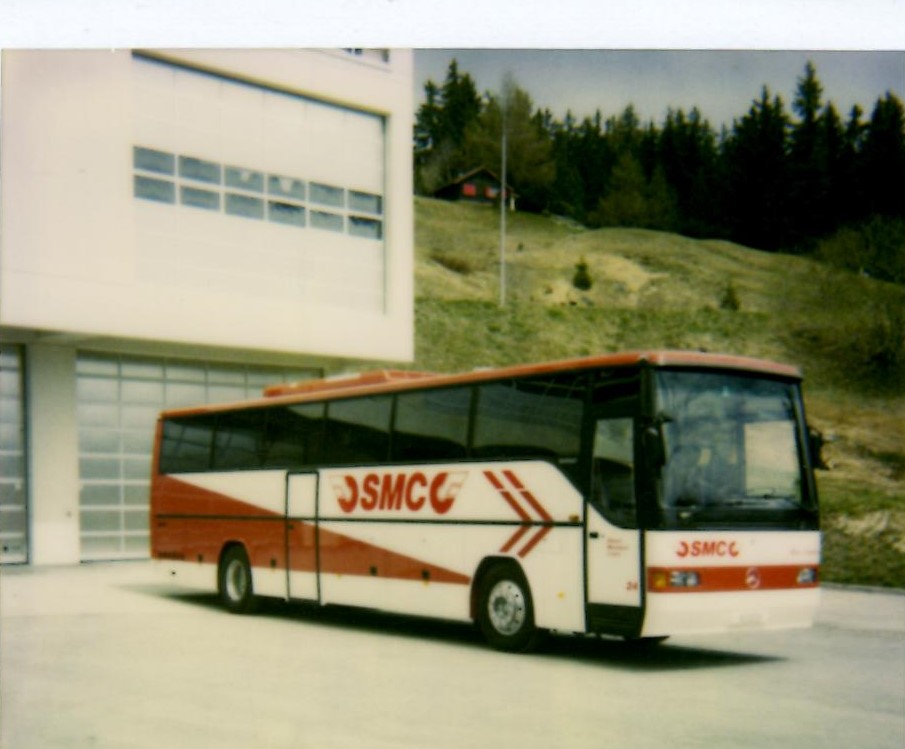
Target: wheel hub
x: 236, y: 580
x: 506, y: 607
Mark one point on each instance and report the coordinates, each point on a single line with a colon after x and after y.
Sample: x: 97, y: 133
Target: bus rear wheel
x: 234, y: 582
x: 505, y: 609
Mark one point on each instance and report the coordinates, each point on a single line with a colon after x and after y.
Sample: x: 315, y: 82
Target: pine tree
x: 809, y: 184
x: 883, y: 159
x: 757, y: 175
x: 461, y: 105
x: 838, y: 158
x: 440, y: 127
x: 688, y: 155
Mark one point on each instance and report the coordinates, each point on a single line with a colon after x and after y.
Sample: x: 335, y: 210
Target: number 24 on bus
x: 638, y: 495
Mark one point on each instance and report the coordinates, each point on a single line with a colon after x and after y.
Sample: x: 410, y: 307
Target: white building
x: 181, y: 227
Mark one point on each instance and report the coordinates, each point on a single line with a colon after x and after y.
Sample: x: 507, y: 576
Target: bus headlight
x: 807, y: 576
x: 684, y: 579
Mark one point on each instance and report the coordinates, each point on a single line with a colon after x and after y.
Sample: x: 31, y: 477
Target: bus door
x: 301, y: 537
x: 613, y: 538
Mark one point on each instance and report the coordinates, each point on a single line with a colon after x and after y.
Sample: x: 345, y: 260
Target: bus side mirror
x: 655, y: 446
x: 815, y: 447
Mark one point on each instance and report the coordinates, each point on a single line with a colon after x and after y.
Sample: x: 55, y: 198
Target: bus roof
x: 391, y: 380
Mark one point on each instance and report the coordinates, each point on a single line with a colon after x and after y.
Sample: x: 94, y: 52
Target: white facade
x: 181, y: 226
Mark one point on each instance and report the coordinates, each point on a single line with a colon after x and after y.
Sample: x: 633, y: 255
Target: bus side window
x: 613, y: 466
x: 358, y: 430
x: 432, y: 425
x: 186, y: 444
x: 531, y: 418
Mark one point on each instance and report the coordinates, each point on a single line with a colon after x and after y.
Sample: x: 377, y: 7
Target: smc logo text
x: 707, y: 549
x: 412, y: 492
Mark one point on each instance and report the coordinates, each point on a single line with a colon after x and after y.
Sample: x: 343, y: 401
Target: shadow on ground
x: 609, y: 652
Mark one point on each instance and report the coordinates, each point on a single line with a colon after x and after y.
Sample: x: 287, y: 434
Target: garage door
x: 13, y: 506
x: 118, y: 400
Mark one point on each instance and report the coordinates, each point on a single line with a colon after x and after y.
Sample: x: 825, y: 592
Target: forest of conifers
x: 779, y: 178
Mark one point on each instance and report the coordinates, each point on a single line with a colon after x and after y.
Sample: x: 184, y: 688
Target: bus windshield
x: 733, y: 451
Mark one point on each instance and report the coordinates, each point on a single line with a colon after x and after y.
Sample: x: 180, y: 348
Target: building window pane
x: 198, y: 169
x: 97, y: 415
x: 286, y: 187
x: 328, y: 195
x: 200, y: 198
x: 365, y: 227
x: 139, y: 392
x: 137, y: 544
x: 136, y: 521
x: 97, y: 390
x: 150, y: 160
x: 99, y: 468
x: 154, y: 189
x: 364, y: 202
x: 13, y: 479
x: 328, y: 221
x: 100, y: 547
x: 184, y: 394
x: 98, y: 441
x: 137, y: 468
x: 137, y: 494
x: 141, y: 368
x: 138, y: 442
x: 101, y: 520
x: 243, y: 205
x: 99, y: 494
x: 244, y: 179
x: 87, y: 365
x: 286, y: 213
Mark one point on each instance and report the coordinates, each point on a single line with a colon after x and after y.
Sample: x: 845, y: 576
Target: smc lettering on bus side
x: 707, y: 549
x: 411, y: 492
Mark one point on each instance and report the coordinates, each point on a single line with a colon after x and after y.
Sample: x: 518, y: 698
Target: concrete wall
x: 82, y: 254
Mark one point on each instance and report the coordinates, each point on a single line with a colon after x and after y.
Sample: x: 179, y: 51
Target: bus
x: 638, y: 495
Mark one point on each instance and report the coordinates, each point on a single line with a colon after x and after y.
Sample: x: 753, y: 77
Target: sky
x: 560, y: 51
x: 722, y: 84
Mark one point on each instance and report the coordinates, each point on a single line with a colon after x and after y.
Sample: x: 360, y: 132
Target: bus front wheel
x: 506, y: 612
x: 234, y: 581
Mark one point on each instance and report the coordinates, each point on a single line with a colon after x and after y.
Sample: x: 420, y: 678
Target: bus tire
x: 234, y: 582
x: 505, y: 609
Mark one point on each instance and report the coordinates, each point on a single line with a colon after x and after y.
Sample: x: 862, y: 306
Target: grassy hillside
x: 651, y: 290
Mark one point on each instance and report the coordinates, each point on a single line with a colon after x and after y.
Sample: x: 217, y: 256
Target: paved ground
x: 102, y: 656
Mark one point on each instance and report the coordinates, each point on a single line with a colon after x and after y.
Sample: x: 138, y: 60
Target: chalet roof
x: 464, y: 177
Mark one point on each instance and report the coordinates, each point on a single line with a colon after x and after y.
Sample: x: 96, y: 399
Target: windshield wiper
x: 687, y: 507
x: 770, y: 496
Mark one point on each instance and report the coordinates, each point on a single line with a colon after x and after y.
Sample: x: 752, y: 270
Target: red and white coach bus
x: 640, y: 495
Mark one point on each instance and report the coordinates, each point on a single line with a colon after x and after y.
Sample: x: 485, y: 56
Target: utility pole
x: 505, y: 97
x: 503, y: 220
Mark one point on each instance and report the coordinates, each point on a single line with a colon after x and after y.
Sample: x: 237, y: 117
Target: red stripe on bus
x: 173, y: 496
x: 535, y: 540
x: 507, y: 495
x: 342, y: 555
x: 193, y: 524
x: 727, y: 579
x: 516, y: 537
x: 529, y: 497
